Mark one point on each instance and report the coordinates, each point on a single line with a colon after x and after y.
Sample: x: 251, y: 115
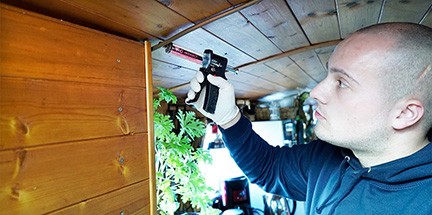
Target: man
x: 374, y: 112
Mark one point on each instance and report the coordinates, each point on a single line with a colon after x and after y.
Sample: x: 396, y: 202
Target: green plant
x: 177, y: 174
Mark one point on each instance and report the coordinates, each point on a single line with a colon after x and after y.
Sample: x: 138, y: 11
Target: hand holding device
x: 225, y: 108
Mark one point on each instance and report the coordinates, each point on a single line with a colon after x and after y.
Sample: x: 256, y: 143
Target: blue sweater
x: 331, y: 179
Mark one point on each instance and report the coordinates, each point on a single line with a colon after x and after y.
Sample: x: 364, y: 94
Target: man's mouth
x: 318, y: 115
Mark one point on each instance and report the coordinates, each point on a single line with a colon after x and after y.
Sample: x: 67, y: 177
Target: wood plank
x: 324, y: 54
x: 404, y: 11
x: 167, y: 70
x: 235, y: 2
x: 37, y: 112
x: 239, y: 32
x: 251, y: 84
x: 42, y: 179
x: 428, y: 18
x: 40, y: 47
x: 150, y: 125
x: 317, y: 18
x: 354, y: 15
x: 271, y: 75
x: 289, y: 53
x: 277, y: 23
x: 197, y: 10
x: 309, y: 62
x: 287, y: 67
x: 166, y: 82
x: 143, y: 16
x: 75, y: 14
x: 255, y: 80
x: 132, y: 199
x: 199, y: 40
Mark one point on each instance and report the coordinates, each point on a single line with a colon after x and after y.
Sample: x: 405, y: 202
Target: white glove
x: 226, y: 109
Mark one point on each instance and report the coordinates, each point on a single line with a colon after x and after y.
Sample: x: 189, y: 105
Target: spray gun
x: 211, y: 64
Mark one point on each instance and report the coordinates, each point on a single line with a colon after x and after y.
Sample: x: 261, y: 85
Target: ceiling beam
x: 204, y: 22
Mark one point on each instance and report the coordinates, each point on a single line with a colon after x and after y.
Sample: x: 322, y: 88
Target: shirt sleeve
x: 283, y: 171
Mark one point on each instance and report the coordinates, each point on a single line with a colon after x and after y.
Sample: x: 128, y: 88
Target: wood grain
x: 272, y: 75
x: 199, y: 40
x: 42, y: 179
x: 139, y: 19
x: 35, y: 112
x: 354, y: 15
x: 428, y: 18
x: 324, y: 55
x: 408, y: 11
x: 253, y: 34
x: 275, y: 20
x: 287, y: 67
x: 317, y: 18
x: 309, y: 62
x: 237, y: 31
x: 129, y: 200
x: 174, y: 72
x: 196, y: 10
x: 39, y: 47
x: 150, y: 125
x: 77, y: 15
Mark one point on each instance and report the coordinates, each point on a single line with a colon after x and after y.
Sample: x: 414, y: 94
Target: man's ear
x: 407, y: 114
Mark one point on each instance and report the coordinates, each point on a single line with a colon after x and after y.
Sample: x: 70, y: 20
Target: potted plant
x: 178, y: 177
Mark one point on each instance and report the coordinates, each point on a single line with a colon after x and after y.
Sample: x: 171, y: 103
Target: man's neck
x: 400, y: 149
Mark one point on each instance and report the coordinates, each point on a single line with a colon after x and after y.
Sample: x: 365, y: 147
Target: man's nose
x: 319, y: 92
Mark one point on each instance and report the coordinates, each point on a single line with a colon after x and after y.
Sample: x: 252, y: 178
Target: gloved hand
x: 226, y: 109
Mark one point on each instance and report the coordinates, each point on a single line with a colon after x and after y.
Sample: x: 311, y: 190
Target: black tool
x: 211, y: 64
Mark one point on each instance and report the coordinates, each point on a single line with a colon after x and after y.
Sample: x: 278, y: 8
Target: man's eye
x: 341, y: 84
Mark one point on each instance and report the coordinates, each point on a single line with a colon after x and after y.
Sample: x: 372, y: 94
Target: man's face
x: 352, y: 111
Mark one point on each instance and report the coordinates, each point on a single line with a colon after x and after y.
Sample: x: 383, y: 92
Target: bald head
x: 406, y: 66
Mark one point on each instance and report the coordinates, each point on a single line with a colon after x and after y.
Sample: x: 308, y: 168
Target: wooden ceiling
x: 278, y: 45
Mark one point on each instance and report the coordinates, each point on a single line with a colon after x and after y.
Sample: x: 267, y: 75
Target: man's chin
x: 323, y: 135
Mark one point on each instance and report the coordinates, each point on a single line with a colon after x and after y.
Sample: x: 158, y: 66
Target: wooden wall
x: 74, y: 119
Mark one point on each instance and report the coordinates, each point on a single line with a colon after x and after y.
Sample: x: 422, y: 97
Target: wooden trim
x: 150, y: 126
x: 205, y: 22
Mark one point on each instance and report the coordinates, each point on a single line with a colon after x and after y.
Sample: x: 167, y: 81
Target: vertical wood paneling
x: 148, y: 68
x: 354, y: 15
